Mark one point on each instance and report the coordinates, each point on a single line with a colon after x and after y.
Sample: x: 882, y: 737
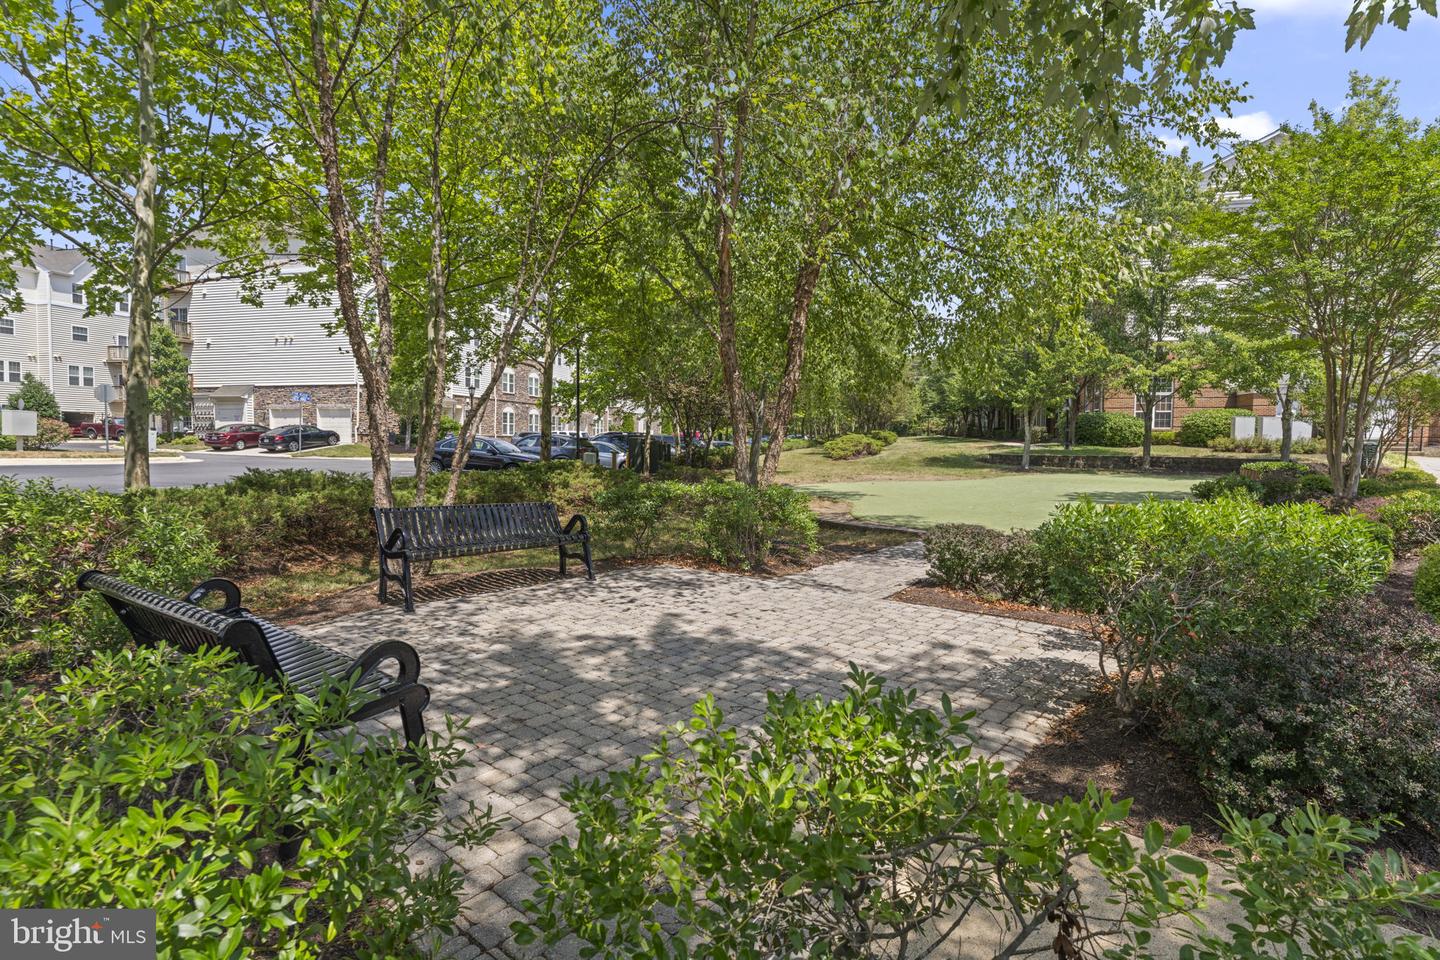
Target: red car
x: 233, y: 436
x: 95, y: 429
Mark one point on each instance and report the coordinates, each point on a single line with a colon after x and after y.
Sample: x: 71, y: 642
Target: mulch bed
x: 930, y: 594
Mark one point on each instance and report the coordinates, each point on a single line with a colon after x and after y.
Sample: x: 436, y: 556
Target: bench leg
x: 409, y: 587
x: 562, y: 560
x: 589, y: 563
x: 384, y: 580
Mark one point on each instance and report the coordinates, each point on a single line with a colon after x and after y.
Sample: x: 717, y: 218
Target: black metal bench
x: 417, y: 534
x: 272, y: 650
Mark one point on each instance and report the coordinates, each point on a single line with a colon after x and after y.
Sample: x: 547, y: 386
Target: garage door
x: 336, y: 419
x: 284, y: 416
x: 229, y: 411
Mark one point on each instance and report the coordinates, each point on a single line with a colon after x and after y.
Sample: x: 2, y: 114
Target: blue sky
x: 1296, y: 54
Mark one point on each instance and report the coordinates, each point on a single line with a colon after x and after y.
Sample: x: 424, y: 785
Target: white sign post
x: 19, y: 424
x: 105, y: 393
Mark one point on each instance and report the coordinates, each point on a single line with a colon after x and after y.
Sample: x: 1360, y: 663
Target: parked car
x: 233, y: 436
x: 92, y: 429
x: 611, y: 454
x: 296, y: 437
x: 562, y: 447
x: 486, y: 453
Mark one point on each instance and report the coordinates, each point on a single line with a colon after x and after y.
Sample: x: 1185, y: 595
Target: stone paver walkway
x: 568, y: 678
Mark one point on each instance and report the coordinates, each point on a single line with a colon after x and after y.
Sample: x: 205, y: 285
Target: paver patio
x: 567, y: 678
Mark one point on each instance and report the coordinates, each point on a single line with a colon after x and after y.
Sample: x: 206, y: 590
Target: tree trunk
x: 1287, y: 427
x: 438, y: 282
x: 547, y: 393
x: 1025, y: 451
x: 142, y: 273
x: 807, y: 278
x: 1149, y: 431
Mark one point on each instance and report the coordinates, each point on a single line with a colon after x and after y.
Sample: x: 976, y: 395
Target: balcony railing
x: 181, y: 329
x: 114, y: 354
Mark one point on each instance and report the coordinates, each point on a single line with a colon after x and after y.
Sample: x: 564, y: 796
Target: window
x: 80, y: 334
x: 7, y: 324
x: 507, y: 382
x: 534, y: 381
x: 124, y: 305
x: 122, y: 340
x: 507, y: 422
x: 88, y: 375
x: 12, y: 371
x: 1164, y: 413
x: 471, y: 381
x: 74, y: 376
x: 77, y: 295
x: 534, y: 421
x: 179, y: 314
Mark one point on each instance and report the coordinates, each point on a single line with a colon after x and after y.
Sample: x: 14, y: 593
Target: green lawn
x: 1002, y: 502
x: 339, y: 450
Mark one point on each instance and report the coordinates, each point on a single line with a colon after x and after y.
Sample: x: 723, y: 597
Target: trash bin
x: 1369, y: 451
x: 660, y: 452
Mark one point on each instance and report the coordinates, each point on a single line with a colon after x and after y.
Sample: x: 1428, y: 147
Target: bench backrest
x: 154, y: 618
x: 468, y: 524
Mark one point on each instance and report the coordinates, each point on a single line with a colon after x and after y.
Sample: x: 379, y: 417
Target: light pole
x: 577, y: 398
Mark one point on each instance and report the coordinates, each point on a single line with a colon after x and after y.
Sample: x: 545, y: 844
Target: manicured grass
x: 1000, y: 502
x: 339, y: 450
x: 909, y: 458
x: 117, y: 454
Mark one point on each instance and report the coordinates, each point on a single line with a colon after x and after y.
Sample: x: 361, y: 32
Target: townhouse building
x: 281, y: 362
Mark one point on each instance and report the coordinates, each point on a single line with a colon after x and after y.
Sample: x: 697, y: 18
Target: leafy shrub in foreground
x: 1097, y: 429
x: 1427, y: 581
x: 852, y: 445
x: 167, y: 782
x: 838, y: 828
x: 1168, y: 579
x: 1228, y: 485
x: 50, y: 535
x: 742, y: 525
x: 986, y: 562
x: 1398, y: 481
x: 1413, y: 516
x: 1344, y: 711
x: 1202, y: 426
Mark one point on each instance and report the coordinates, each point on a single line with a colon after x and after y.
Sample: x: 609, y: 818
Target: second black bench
x: 416, y: 534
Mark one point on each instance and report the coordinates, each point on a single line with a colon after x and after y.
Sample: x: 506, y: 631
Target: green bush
x: 1202, y: 426
x: 167, y: 783
x: 741, y: 525
x: 1170, y: 578
x: 1097, y: 429
x: 1413, y: 517
x: 886, y: 437
x: 37, y: 397
x: 850, y: 446
x: 1343, y: 710
x: 1228, y: 485
x: 1280, y: 481
x: 1162, y: 438
x: 986, y: 562
x: 1427, y: 581
x: 49, y: 536
x: 636, y: 510
x: 798, y: 443
x: 835, y: 830
x: 1398, y: 481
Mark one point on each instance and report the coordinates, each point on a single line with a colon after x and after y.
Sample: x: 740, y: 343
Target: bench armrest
x: 580, y: 521
x: 217, y: 585
x: 395, y: 543
x: 401, y: 652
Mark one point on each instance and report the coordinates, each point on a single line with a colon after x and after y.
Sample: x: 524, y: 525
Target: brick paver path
x: 568, y: 678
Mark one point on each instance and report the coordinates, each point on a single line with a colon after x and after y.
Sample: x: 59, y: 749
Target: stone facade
x: 322, y: 396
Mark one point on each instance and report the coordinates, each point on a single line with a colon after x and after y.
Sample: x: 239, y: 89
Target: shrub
x: 1280, y: 481
x: 798, y: 443
x: 885, y: 437
x: 986, y: 562
x: 1427, y: 581
x: 635, y: 510
x: 1397, y: 481
x: 1413, y: 517
x: 49, y: 536
x: 742, y: 525
x: 167, y: 783
x: 38, y: 399
x: 851, y: 446
x: 720, y: 458
x: 1313, y: 486
x: 1228, y: 485
x: 1202, y: 426
x: 1169, y: 578
x: 1097, y: 429
x: 1162, y: 438
x: 1343, y: 710
x: 836, y: 829
x: 51, y: 433
x: 1305, y: 445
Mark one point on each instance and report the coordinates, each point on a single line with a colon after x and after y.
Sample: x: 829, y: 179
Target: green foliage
x: 1228, y: 485
x: 167, y: 783
x: 37, y: 397
x: 1284, y: 481
x: 799, y: 839
x: 1201, y: 426
x: 1163, y: 438
x: 742, y: 525
x: 170, y: 394
x: 1096, y: 429
x: 1427, y: 581
x: 800, y: 443
x: 1413, y: 517
x: 1171, y: 578
x: 1313, y: 888
x: 986, y: 562
x: 51, y: 434
x: 50, y: 535
x: 1398, y: 481
x: 851, y: 446
x: 884, y: 437
x: 1343, y: 710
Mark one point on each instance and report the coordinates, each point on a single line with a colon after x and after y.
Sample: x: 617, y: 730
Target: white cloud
x: 1172, y: 144
x: 1248, y: 126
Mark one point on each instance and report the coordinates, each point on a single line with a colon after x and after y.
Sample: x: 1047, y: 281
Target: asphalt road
x: 210, y: 467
